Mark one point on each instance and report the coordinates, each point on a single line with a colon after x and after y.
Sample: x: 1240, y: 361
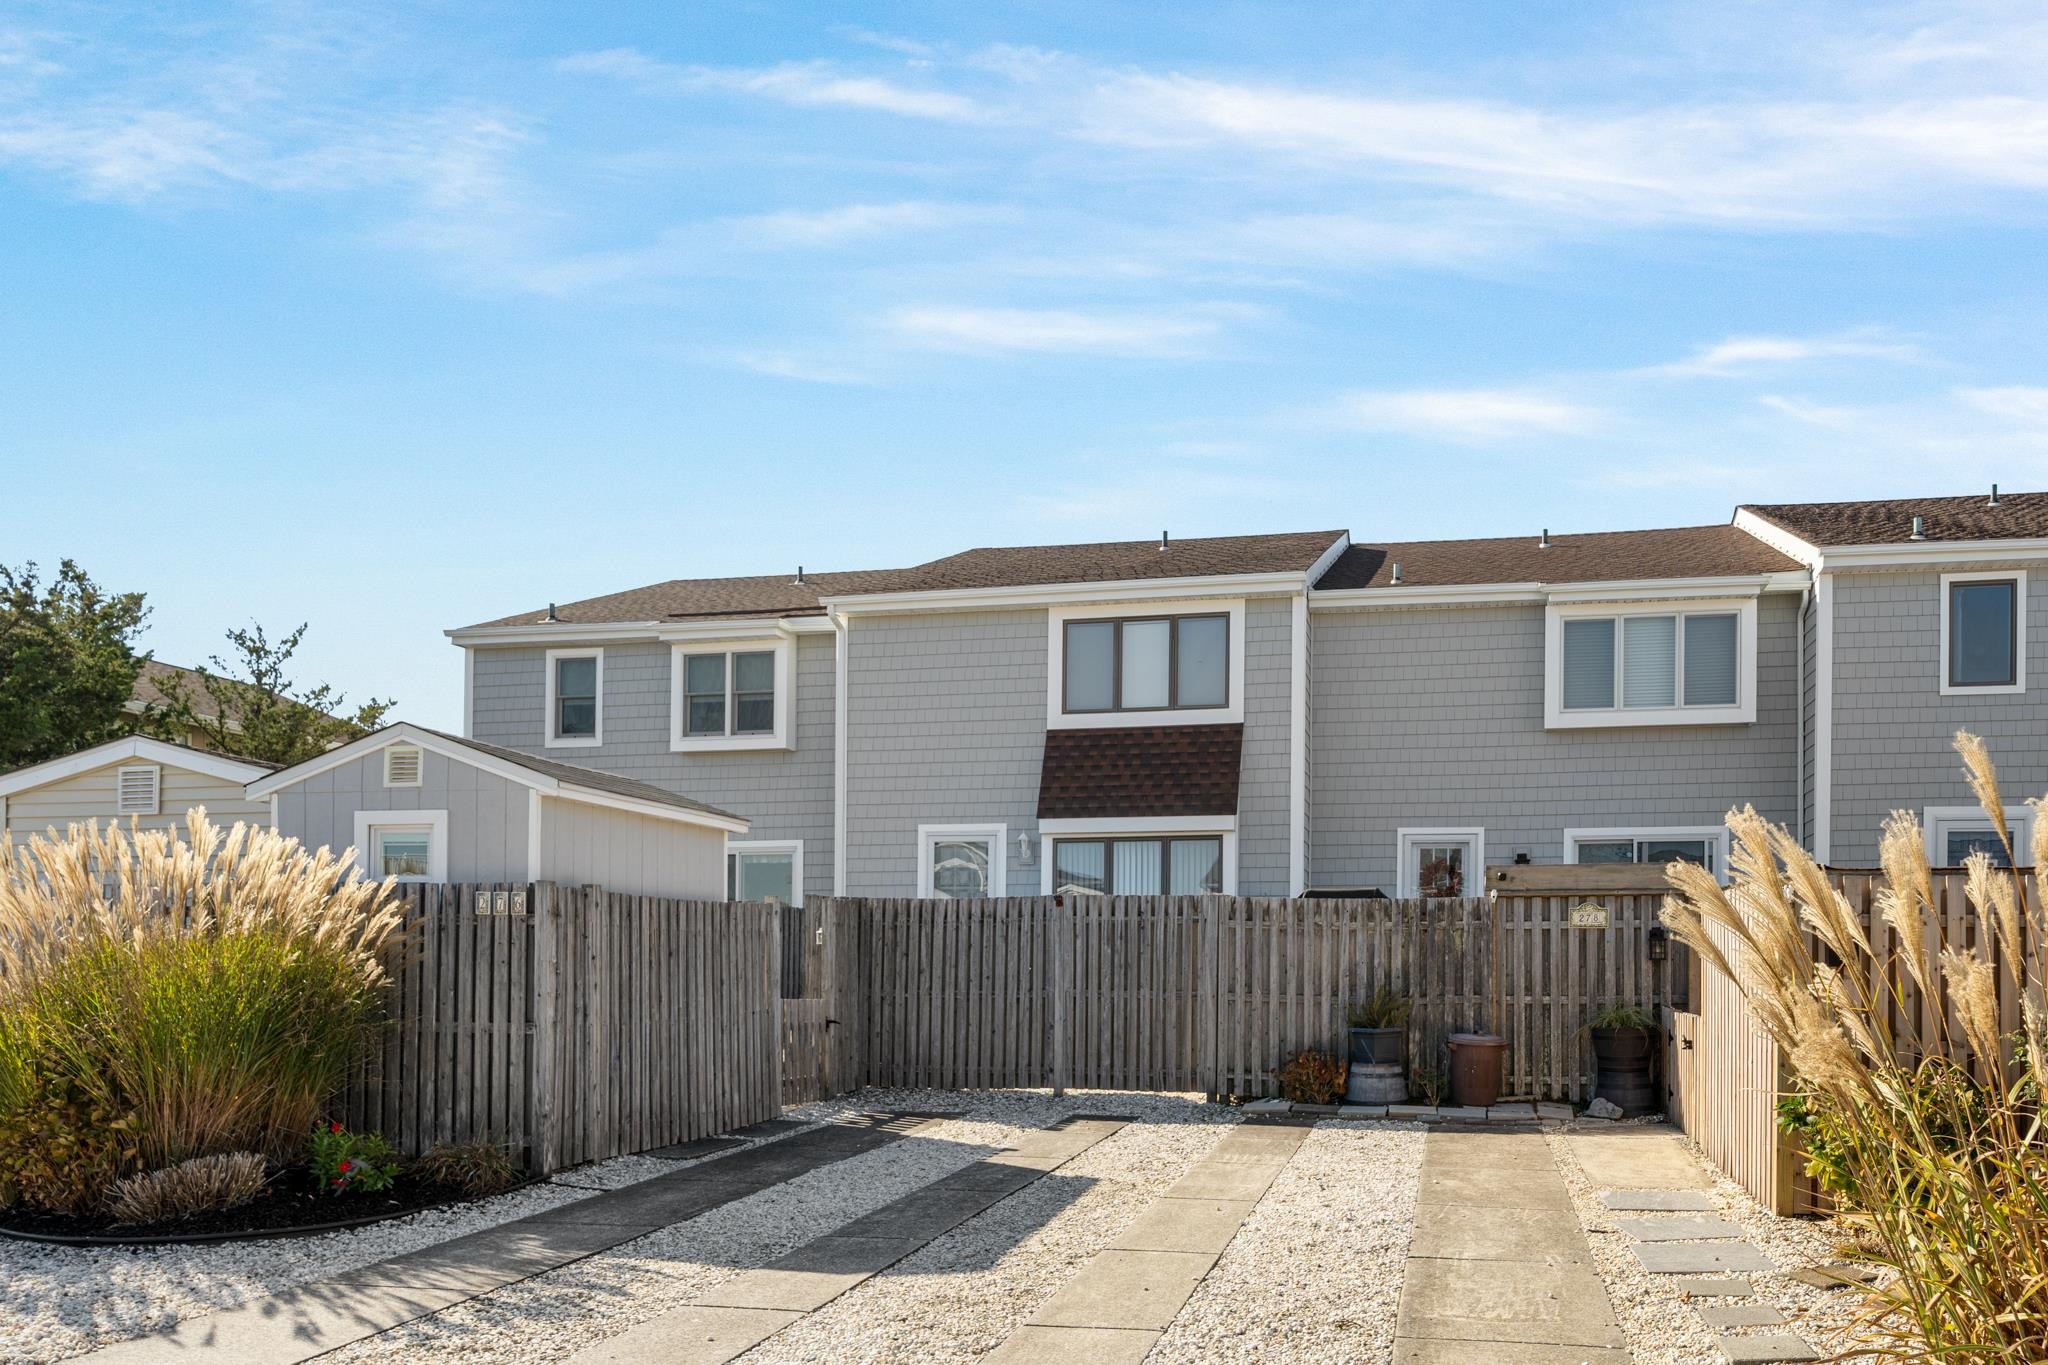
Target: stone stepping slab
x: 1738, y: 1314
x: 1723, y: 1287
x: 1761, y: 1350
x: 1677, y: 1229
x: 734, y: 1317
x: 1657, y: 1201
x: 299, y: 1324
x: 1121, y: 1301
x: 1701, y: 1258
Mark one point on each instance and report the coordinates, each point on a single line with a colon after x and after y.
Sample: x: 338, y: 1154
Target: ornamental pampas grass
x: 1935, y: 1138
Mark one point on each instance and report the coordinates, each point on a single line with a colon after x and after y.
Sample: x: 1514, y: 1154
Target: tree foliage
x: 259, y: 712
x: 67, y: 662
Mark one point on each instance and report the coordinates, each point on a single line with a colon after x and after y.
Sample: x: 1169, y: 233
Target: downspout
x: 839, y: 749
x: 1799, y: 759
x: 1297, y: 751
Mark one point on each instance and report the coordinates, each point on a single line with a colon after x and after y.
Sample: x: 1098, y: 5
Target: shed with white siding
x: 148, y: 781
x: 421, y: 805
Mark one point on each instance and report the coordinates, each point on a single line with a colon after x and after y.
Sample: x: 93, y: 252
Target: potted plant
x: 1379, y: 1029
x: 1624, y: 1053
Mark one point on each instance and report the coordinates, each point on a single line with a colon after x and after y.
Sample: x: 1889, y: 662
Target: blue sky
x: 396, y: 318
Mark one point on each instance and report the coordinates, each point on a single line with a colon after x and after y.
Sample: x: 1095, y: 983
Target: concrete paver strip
x: 1643, y: 1158
x: 1760, y: 1350
x: 1701, y: 1258
x: 691, y: 1336
x: 1717, y: 1287
x: 1658, y: 1201
x: 1738, y: 1314
x: 1422, y: 1352
x: 1491, y: 1301
x: 1465, y: 1232
x: 1185, y: 1225
x: 1684, y: 1229
x: 1492, y: 1189
x: 1126, y: 1289
x: 1031, y: 1345
x: 277, y: 1329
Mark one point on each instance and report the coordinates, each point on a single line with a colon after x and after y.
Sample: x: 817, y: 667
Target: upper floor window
x: 1706, y: 845
x: 575, y: 697
x: 1152, y: 663
x: 1651, y: 667
x: 1983, y: 640
x: 731, y: 697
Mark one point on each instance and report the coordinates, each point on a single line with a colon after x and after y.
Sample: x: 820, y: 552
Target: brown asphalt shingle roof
x: 1890, y: 521
x: 584, y: 777
x: 999, y: 567
x: 1601, y: 556
x: 1141, y: 771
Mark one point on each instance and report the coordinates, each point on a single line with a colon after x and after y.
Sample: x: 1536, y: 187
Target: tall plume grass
x: 1925, y: 1123
x: 171, y: 995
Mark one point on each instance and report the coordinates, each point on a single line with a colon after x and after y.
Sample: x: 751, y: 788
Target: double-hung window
x: 1172, y: 866
x: 730, y: 697
x: 1109, y: 666
x: 1659, y: 666
x: 575, y: 697
x: 1983, y: 633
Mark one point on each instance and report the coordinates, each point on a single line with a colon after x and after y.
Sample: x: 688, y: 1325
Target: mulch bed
x: 290, y: 1207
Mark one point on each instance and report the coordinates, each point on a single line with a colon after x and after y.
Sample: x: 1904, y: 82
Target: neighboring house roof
x: 133, y: 748
x: 996, y: 567
x: 542, y: 774
x: 1889, y: 521
x: 1602, y: 556
x: 152, y: 694
x: 1143, y: 771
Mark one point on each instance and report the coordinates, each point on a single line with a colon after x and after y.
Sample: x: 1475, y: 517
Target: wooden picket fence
x: 1207, y: 993
x: 572, y: 1023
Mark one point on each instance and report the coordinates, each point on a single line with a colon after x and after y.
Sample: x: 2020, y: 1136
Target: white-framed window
x: 1441, y: 862
x: 730, y: 695
x: 1180, y: 663
x: 1983, y: 633
x: 407, y: 845
x: 761, y: 869
x: 403, y: 765
x: 1953, y: 833
x: 961, y: 862
x: 1140, y: 865
x: 1706, y: 845
x: 575, y: 698
x: 138, y: 789
x: 1609, y: 664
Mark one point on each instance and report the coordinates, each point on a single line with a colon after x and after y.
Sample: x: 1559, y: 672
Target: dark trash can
x: 1476, y: 1061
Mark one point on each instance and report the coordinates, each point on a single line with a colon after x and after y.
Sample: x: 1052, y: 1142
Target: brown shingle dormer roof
x: 1889, y: 521
x: 1602, y: 556
x: 1140, y: 771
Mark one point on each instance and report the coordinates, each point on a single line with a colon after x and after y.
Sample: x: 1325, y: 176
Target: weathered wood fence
x: 1201, y: 993
x: 573, y: 1023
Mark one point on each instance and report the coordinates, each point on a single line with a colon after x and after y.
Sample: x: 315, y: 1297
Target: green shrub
x: 475, y: 1168
x: 345, y: 1162
x: 1384, y: 1008
x: 180, y: 996
x: 1621, y: 1014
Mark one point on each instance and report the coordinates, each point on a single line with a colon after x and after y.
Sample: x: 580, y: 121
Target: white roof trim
x: 1055, y: 594
x: 403, y: 733
x: 615, y: 632
x: 1612, y: 590
x: 1891, y: 554
x: 133, y: 747
x: 1777, y: 537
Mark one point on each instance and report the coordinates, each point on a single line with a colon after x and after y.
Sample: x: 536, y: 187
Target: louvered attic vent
x: 137, y: 790
x: 401, y: 766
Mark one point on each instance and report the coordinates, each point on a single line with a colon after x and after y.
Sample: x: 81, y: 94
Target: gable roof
x: 134, y: 748
x: 1889, y: 521
x: 1015, y: 566
x: 1140, y: 772
x: 542, y: 774
x: 1721, y: 551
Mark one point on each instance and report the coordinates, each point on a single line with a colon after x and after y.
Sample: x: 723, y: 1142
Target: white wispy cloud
x: 827, y: 227
x: 1833, y: 417
x: 1473, y: 415
x: 814, y: 83
x: 785, y: 365
x: 1738, y: 355
x: 1053, y: 330
x: 2026, y: 405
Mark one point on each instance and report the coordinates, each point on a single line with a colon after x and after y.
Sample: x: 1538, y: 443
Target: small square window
x: 401, y: 852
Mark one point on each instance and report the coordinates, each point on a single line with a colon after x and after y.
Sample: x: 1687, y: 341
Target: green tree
x: 259, y: 713
x: 67, y: 662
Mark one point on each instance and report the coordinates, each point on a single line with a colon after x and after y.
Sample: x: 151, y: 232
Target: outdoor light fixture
x: 1023, y: 848
x: 1659, y: 942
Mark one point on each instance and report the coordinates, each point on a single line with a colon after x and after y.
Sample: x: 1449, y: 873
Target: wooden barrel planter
x: 1379, y: 1066
x: 1625, y: 1060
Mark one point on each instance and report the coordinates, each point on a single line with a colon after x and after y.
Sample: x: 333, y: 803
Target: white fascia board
x: 1329, y: 557
x: 1609, y: 590
x: 1926, y: 553
x: 1778, y: 538
x: 1425, y: 595
x: 1055, y: 594
x: 740, y: 628
x: 1148, y: 824
x: 559, y: 633
x: 401, y: 733
x: 590, y: 796
x: 134, y: 747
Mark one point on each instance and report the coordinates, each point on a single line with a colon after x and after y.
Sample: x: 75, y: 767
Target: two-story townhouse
x: 1126, y: 717
x: 1267, y: 714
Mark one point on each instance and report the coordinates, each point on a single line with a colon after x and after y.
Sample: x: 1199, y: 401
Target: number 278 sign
x: 1589, y: 916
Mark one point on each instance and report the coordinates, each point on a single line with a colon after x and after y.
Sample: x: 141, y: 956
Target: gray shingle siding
x: 1262, y: 783
x: 787, y: 794
x: 1434, y: 717
x: 1892, y: 726
x: 487, y: 815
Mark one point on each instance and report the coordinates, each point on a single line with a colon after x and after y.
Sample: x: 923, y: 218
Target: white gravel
x: 57, y: 1302
x: 1314, y: 1275
x: 1660, y: 1329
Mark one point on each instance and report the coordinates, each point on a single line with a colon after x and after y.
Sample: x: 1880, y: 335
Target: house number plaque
x: 1589, y: 916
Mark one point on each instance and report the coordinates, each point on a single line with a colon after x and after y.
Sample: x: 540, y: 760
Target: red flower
x: 345, y: 1167
x: 333, y: 1127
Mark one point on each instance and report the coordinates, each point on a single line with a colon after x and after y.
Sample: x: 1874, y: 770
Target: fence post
x: 544, y: 1137
x: 774, y: 974
x: 1062, y: 986
x: 1209, y: 996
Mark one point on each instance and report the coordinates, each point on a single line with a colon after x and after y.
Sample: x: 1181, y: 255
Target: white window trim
x: 2018, y: 578
x: 1935, y: 822
x: 998, y: 835
x: 156, y: 788
x: 1056, y: 717
x: 435, y: 822
x: 1407, y: 837
x: 793, y: 847
x: 1151, y: 827
x: 419, y: 771
x: 1556, y: 717
x: 1714, y: 834
x: 590, y: 741
x: 782, y: 648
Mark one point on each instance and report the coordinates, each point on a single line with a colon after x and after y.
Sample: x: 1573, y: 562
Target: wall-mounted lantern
x: 1659, y: 940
